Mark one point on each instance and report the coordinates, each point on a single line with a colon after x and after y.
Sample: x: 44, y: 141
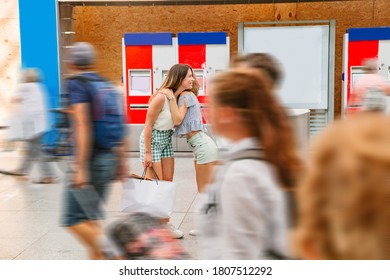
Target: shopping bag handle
x: 154, y: 174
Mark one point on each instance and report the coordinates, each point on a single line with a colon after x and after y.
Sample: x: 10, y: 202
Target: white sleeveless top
x: 164, y: 120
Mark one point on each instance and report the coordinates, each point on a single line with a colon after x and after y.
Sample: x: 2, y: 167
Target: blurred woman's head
x: 241, y: 100
x: 181, y: 76
x: 344, y: 199
x: 262, y: 61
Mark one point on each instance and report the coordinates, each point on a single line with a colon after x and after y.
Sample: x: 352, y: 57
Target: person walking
x: 263, y: 62
x: 99, y: 147
x: 30, y: 97
x: 243, y: 211
x: 369, y: 92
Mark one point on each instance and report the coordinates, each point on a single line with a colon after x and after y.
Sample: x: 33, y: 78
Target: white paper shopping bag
x: 154, y: 197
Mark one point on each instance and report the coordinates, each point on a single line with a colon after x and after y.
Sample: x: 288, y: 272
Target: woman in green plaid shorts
x: 156, y: 139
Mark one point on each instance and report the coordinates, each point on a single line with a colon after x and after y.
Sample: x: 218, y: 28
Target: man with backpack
x: 99, y: 147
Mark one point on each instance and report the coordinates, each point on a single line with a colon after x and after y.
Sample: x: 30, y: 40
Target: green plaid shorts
x: 161, y: 145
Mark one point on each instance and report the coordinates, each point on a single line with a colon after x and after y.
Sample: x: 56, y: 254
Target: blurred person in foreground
x: 30, y: 98
x: 270, y: 66
x: 99, y: 147
x: 344, y: 198
x: 140, y: 236
x: 369, y: 91
x: 264, y: 62
x: 243, y: 212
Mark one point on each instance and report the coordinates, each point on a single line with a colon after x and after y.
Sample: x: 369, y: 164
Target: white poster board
x: 304, y: 54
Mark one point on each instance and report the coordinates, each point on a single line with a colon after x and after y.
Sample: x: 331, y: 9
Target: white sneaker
x: 176, y: 233
x: 194, y: 232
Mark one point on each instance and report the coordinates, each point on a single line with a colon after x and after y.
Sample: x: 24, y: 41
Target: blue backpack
x: 106, y: 112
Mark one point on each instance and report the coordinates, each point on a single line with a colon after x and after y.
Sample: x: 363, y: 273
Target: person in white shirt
x: 243, y: 214
x: 30, y: 97
x: 369, y: 91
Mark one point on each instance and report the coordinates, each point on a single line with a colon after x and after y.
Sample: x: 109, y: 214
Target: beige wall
x: 104, y: 26
x: 9, y: 52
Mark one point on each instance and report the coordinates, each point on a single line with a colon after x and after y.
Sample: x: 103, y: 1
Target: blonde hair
x: 344, y: 199
x: 249, y: 91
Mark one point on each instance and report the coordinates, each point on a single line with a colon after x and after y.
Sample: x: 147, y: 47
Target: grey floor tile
x: 18, y: 229
x: 13, y: 247
x: 30, y: 214
x: 39, y: 254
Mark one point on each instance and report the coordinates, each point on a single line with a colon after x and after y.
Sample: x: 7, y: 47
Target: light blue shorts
x: 204, y: 148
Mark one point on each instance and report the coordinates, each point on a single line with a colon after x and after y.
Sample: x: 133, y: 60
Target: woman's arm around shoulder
x: 155, y: 107
x: 176, y: 112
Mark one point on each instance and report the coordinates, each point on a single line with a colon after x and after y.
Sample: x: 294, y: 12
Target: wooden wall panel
x: 104, y: 26
x: 381, y: 9
x: 285, y: 11
x: 340, y: 10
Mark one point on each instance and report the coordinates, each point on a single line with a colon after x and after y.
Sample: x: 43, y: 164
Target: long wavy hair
x: 175, y: 77
x: 249, y: 91
x: 344, y: 198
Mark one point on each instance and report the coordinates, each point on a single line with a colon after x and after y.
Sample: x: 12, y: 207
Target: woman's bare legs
x: 203, y: 177
x: 157, y: 166
x: 203, y: 174
x: 168, y: 168
x: 164, y: 171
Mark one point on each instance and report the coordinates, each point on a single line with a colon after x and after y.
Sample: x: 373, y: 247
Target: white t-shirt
x: 32, y: 109
x: 243, y: 212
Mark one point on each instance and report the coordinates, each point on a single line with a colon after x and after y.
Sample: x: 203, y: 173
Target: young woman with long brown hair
x: 156, y: 148
x: 243, y: 213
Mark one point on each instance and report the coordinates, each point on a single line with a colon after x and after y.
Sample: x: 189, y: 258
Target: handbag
x: 155, y: 197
